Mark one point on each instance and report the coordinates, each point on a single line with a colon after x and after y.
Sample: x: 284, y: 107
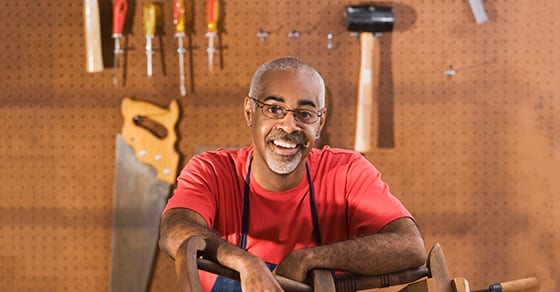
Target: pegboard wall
x: 474, y: 153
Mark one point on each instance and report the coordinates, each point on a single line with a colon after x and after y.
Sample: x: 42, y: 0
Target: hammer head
x: 369, y: 18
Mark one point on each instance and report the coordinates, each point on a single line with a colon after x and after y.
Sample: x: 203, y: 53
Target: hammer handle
x: 369, y: 67
x: 92, y: 32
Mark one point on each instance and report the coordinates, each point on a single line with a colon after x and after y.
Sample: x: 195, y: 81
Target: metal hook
x: 262, y: 35
x: 450, y: 72
x: 294, y: 34
x: 329, y: 41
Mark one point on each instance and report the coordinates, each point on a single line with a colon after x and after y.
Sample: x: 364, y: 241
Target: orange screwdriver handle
x: 213, y: 13
x: 119, y: 15
x: 179, y: 16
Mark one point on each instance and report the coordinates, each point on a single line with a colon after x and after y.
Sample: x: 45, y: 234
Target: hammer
x: 368, y: 20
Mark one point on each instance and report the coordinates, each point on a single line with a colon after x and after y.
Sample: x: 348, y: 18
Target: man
x: 282, y: 203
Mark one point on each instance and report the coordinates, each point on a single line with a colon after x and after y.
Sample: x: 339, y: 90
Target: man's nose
x: 289, y: 123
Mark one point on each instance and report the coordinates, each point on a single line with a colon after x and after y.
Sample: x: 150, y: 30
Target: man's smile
x: 284, y: 147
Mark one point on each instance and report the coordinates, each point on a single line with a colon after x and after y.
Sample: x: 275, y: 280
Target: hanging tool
x: 478, y: 11
x: 146, y: 168
x: 150, y: 15
x: 367, y: 20
x: 119, y: 15
x: 92, y: 31
x: 179, y: 22
x: 212, y: 17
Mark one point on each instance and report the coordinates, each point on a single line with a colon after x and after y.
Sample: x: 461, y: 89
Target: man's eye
x: 276, y: 110
x: 304, y: 114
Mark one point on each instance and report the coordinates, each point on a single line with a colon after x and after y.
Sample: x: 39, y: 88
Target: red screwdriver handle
x: 179, y: 16
x: 119, y: 15
x: 212, y: 15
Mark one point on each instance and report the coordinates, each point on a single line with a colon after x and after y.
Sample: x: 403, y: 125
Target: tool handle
x: 92, y: 31
x: 153, y: 137
x: 150, y: 19
x: 212, y: 15
x: 185, y: 264
x: 120, y: 9
x: 365, y: 105
x: 522, y: 285
x: 353, y: 282
x: 179, y: 16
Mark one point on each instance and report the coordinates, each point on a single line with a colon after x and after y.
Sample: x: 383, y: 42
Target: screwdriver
x: 213, y: 13
x: 119, y: 15
x: 149, y: 29
x: 179, y: 22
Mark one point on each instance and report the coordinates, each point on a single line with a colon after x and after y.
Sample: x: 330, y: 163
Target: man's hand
x: 294, y: 266
x: 255, y: 276
x: 180, y: 224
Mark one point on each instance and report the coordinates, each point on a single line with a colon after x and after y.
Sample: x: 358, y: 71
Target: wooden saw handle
x: 92, y: 33
x: 369, y: 71
x: 150, y: 148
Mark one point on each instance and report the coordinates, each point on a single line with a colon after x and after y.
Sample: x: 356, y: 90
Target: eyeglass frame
x: 261, y: 105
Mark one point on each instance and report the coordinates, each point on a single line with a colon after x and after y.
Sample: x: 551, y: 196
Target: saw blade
x: 138, y: 202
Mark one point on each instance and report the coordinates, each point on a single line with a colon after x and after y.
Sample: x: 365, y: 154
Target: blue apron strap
x: 314, y: 216
x: 245, y: 218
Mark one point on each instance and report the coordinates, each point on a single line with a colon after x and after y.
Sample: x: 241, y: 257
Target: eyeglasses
x: 277, y: 111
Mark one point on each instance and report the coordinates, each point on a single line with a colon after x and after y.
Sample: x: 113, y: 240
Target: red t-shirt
x: 350, y: 197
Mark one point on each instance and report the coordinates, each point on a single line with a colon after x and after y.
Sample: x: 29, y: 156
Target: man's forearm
x: 375, y: 254
x: 398, y: 246
x: 179, y: 224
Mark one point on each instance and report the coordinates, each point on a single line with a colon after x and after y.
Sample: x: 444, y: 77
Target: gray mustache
x: 295, y: 137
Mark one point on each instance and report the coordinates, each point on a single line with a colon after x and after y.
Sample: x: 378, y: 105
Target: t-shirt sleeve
x: 370, y: 203
x: 196, y: 189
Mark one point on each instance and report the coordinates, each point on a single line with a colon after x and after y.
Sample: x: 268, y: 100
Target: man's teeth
x: 284, y: 144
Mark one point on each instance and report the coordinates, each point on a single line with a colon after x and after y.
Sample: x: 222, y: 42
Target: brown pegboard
x: 473, y: 155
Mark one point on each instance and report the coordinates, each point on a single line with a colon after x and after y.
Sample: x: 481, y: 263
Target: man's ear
x: 322, y: 121
x: 248, y: 111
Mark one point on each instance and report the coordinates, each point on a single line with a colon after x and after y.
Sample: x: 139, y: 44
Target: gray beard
x: 282, y: 164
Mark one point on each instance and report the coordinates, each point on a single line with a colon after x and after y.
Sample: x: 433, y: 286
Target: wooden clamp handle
x: 353, y: 282
x: 185, y: 264
x: 521, y: 285
x: 322, y: 279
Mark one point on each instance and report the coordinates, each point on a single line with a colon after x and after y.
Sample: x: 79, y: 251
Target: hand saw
x: 146, y: 168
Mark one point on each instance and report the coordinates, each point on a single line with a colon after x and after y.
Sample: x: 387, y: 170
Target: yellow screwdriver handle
x: 150, y: 19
